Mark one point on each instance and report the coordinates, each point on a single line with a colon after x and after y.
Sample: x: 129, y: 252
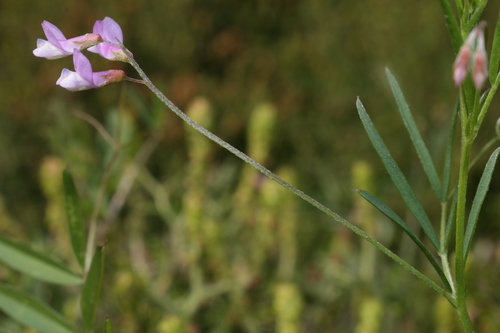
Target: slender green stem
x: 464, y: 113
x: 280, y: 181
x: 460, y: 231
x: 487, y: 103
x: 466, y: 144
x: 471, y: 124
x: 89, y: 252
x: 483, y: 150
x: 97, y: 205
x: 470, y: 127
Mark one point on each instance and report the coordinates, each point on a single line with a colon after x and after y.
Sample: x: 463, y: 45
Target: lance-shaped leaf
x: 452, y: 24
x: 74, y: 216
x: 387, y: 211
x: 25, y: 260
x: 476, y: 15
x: 92, y: 289
x: 416, y: 138
x: 31, y: 312
x: 449, y: 152
x: 482, y: 189
x: 495, y: 53
x: 397, y: 176
x: 452, y: 215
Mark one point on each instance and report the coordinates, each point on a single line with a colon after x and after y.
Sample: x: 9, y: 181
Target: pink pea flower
x: 472, y: 56
x: 84, y: 78
x: 110, y: 31
x: 480, y: 63
x: 57, y: 46
x: 461, y: 65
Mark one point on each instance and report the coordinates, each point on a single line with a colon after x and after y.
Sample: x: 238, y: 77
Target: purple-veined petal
x: 82, y: 65
x: 72, y: 81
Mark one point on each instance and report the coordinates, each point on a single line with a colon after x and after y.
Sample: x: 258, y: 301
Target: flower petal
x: 109, y: 31
x: 82, y: 65
x: 72, y: 81
x: 45, y: 49
x: 54, y: 35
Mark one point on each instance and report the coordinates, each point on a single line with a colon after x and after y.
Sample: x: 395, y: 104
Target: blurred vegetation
x: 197, y: 241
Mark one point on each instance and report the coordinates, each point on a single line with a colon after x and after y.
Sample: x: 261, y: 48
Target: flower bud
x: 480, y: 63
x: 472, y: 54
x: 461, y: 65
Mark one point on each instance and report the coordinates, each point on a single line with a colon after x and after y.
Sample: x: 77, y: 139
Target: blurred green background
x: 197, y: 241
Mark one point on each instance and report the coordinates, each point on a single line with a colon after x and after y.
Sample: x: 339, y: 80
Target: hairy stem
x: 461, y: 292
x: 280, y: 181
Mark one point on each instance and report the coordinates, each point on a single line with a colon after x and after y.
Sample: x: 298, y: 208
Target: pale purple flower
x: 110, y: 31
x: 57, y: 46
x: 84, y: 78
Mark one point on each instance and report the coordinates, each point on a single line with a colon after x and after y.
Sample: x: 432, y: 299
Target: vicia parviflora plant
x: 470, y: 72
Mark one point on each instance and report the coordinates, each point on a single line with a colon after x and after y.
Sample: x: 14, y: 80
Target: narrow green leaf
x: 449, y: 152
x: 474, y: 19
x: 92, y: 289
x: 451, y: 220
x: 31, y: 312
x: 495, y: 53
x: 452, y: 24
x: 482, y: 189
x: 387, y: 211
x: 74, y: 216
x: 416, y: 138
x: 109, y: 326
x: 397, y: 176
x: 460, y: 7
x: 25, y: 260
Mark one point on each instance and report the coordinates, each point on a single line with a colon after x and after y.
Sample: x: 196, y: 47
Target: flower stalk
x: 106, y: 40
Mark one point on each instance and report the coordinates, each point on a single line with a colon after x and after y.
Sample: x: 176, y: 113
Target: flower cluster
x: 102, y: 40
x: 472, y: 56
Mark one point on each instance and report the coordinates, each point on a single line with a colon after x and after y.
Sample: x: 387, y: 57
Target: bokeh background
x: 196, y: 240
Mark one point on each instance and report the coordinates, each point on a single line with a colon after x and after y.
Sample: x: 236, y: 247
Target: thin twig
x: 280, y: 181
x: 98, y: 126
